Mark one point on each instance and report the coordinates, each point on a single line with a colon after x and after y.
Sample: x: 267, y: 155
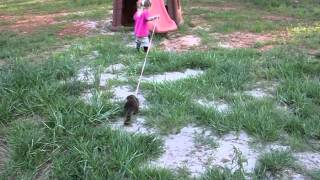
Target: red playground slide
x: 165, y: 23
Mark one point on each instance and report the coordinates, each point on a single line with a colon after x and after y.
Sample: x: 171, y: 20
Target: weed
x: 274, y: 162
x: 220, y: 174
x: 315, y: 174
x: 28, y: 145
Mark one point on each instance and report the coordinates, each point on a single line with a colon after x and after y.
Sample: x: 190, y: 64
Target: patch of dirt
x: 115, y: 68
x: 137, y: 126
x: 172, y: 76
x: 3, y: 62
x: 258, y: 93
x: 248, y: 39
x: 277, y: 18
x: 105, y: 77
x: 80, y: 28
x: 221, y: 106
x: 266, y: 48
x: 44, y: 171
x: 180, y: 44
x: 262, y: 89
x: 308, y: 160
x: 182, y: 150
x: 7, y: 18
x: 93, y: 55
x: 314, y: 52
x: 28, y: 23
x: 86, y: 75
x: 244, y: 40
x: 114, y: 71
x: 121, y: 93
x: 287, y: 174
x: 197, y: 20
x: 211, y: 7
x: 214, y: 6
x: 87, y: 96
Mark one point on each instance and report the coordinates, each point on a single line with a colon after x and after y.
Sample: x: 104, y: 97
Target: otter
x: 131, y: 107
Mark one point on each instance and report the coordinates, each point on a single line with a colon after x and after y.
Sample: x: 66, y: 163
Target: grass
x: 306, y: 36
x: 226, y: 173
x: 315, y: 174
x: 121, y: 152
x: 304, y: 9
x: 13, y: 45
x: 274, y: 162
x: 240, y: 19
x: 221, y: 174
x: 47, y: 124
x: 172, y: 102
x: 66, y: 127
x: 212, y: 16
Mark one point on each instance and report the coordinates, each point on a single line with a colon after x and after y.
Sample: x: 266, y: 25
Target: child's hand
x: 155, y: 17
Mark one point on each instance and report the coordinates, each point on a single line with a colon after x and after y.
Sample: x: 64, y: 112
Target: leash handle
x: 145, y: 58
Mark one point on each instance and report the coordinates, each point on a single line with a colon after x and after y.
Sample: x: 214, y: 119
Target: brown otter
x: 131, y: 107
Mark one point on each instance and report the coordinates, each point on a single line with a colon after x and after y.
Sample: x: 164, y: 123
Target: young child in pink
x: 141, y: 18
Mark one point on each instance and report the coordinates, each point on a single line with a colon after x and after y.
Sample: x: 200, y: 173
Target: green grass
x: 226, y: 173
x: 104, y: 153
x: 13, y: 45
x: 274, y: 162
x: 29, y: 89
x: 45, y: 122
x: 315, y: 174
x: 225, y: 74
x: 302, y: 9
x: 100, y: 153
x: 240, y: 19
x: 303, y: 16
x: 306, y: 36
x: 69, y: 126
x: 222, y: 174
x: 230, y: 21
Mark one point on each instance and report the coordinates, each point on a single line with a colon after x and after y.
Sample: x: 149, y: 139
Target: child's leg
x: 145, y: 44
x: 138, y: 44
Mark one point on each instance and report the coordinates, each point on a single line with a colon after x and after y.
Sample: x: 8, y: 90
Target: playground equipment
x: 170, y: 14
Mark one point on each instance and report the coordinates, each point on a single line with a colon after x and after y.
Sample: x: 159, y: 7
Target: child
x: 141, y: 31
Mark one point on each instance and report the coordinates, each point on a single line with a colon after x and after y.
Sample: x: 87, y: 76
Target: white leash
x: 145, y: 59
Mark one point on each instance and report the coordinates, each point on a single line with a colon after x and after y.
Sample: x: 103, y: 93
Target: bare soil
x: 80, y: 28
x: 278, y: 18
x: 180, y: 44
x: 4, y: 154
x: 215, y: 7
x: 29, y: 23
x: 248, y: 39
